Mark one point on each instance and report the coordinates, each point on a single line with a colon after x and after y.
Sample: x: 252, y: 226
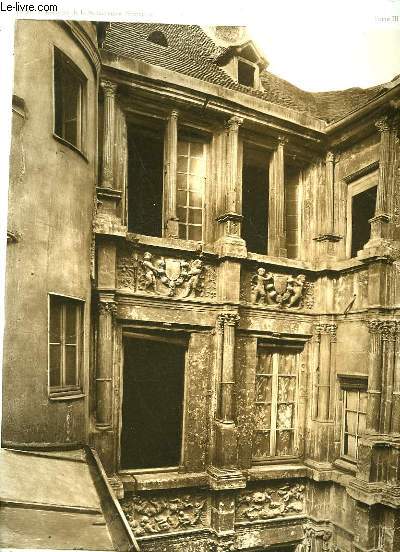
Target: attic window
x: 157, y: 37
x: 246, y: 73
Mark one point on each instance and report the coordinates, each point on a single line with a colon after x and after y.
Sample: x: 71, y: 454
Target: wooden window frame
x: 352, y: 383
x: 277, y: 351
x: 186, y: 223
x: 64, y: 390
x: 69, y: 66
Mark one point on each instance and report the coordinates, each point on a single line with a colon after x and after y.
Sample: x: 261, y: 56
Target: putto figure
x: 290, y: 293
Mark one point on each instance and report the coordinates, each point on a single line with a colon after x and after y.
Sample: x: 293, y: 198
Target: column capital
x: 234, y: 123
x: 228, y: 318
x: 330, y: 156
x: 174, y: 114
x: 282, y: 141
x: 383, y: 124
x: 326, y: 328
x: 107, y: 307
x: 109, y: 88
x: 387, y: 328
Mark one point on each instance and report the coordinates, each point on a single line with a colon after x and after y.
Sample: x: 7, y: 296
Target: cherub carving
x: 149, y: 272
x: 258, y: 282
x: 295, y: 289
x: 193, y: 275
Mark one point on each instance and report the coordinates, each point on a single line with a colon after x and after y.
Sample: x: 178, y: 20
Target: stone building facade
x: 213, y: 299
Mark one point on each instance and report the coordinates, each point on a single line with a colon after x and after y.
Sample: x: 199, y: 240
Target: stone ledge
x: 281, y: 471
x: 164, y: 480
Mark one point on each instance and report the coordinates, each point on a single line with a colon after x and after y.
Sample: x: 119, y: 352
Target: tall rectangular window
x: 145, y: 178
x: 354, y: 420
x: 255, y: 199
x: 361, y: 205
x: 69, y: 100
x: 190, y: 184
x: 276, y: 404
x: 65, y: 343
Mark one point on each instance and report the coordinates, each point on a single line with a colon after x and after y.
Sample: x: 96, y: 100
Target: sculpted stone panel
x: 144, y: 272
x: 279, y: 290
x: 160, y: 513
x: 270, y: 502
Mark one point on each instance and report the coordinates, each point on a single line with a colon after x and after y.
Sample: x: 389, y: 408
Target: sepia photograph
x: 200, y: 290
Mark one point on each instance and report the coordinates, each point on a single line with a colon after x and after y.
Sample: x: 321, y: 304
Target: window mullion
x: 274, y: 401
x: 63, y: 328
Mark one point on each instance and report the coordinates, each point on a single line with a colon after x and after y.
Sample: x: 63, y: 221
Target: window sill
x: 346, y: 465
x: 134, y: 481
x: 283, y: 470
x: 70, y: 146
x: 66, y: 396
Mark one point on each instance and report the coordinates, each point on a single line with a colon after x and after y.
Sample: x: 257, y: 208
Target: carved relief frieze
x: 281, y: 290
x: 270, y: 502
x: 172, y: 277
x: 159, y: 513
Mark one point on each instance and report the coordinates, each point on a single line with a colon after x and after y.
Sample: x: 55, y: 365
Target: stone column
x: 225, y: 428
x: 104, y: 364
x: 228, y: 359
x: 327, y: 339
x: 374, y: 377
x: 379, y: 223
x: 328, y: 223
x: 171, y: 164
x: 232, y: 191
x: 107, y: 172
x: 388, y: 352
x: 395, y: 424
x: 276, y: 225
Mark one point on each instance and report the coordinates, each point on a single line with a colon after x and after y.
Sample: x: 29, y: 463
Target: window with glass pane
x: 354, y: 419
x: 68, y: 100
x: 190, y: 189
x: 275, y: 404
x: 65, y: 343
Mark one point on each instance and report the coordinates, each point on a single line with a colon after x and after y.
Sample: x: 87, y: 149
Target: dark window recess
x: 152, y: 405
x: 68, y: 100
x: 362, y: 209
x: 245, y: 74
x: 255, y: 198
x: 145, y: 181
x: 157, y: 37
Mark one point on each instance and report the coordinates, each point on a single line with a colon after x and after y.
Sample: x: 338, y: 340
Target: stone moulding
x: 166, y: 276
x: 270, y: 502
x: 281, y: 290
x: 164, y: 514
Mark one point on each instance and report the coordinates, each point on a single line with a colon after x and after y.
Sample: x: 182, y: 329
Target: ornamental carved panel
x: 265, y: 288
x: 269, y: 502
x: 160, y: 513
x: 147, y: 273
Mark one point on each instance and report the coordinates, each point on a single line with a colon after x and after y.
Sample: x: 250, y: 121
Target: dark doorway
x: 145, y: 180
x: 255, y: 198
x: 362, y: 209
x: 152, y: 406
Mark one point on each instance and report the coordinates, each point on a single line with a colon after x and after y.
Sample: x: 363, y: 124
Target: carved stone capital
x: 174, y: 114
x: 387, y: 328
x: 330, y: 157
x: 383, y: 125
x: 109, y: 88
x: 282, y: 141
x: 234, y: 123
x: 327, y: 329
x: 229, y: 318
x: 107, y: 308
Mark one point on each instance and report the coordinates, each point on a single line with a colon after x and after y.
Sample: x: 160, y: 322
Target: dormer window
x: 157, y: 37
x: 246, y: 73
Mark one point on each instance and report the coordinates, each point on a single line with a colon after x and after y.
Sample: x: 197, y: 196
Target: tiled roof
x: 192, y: 52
